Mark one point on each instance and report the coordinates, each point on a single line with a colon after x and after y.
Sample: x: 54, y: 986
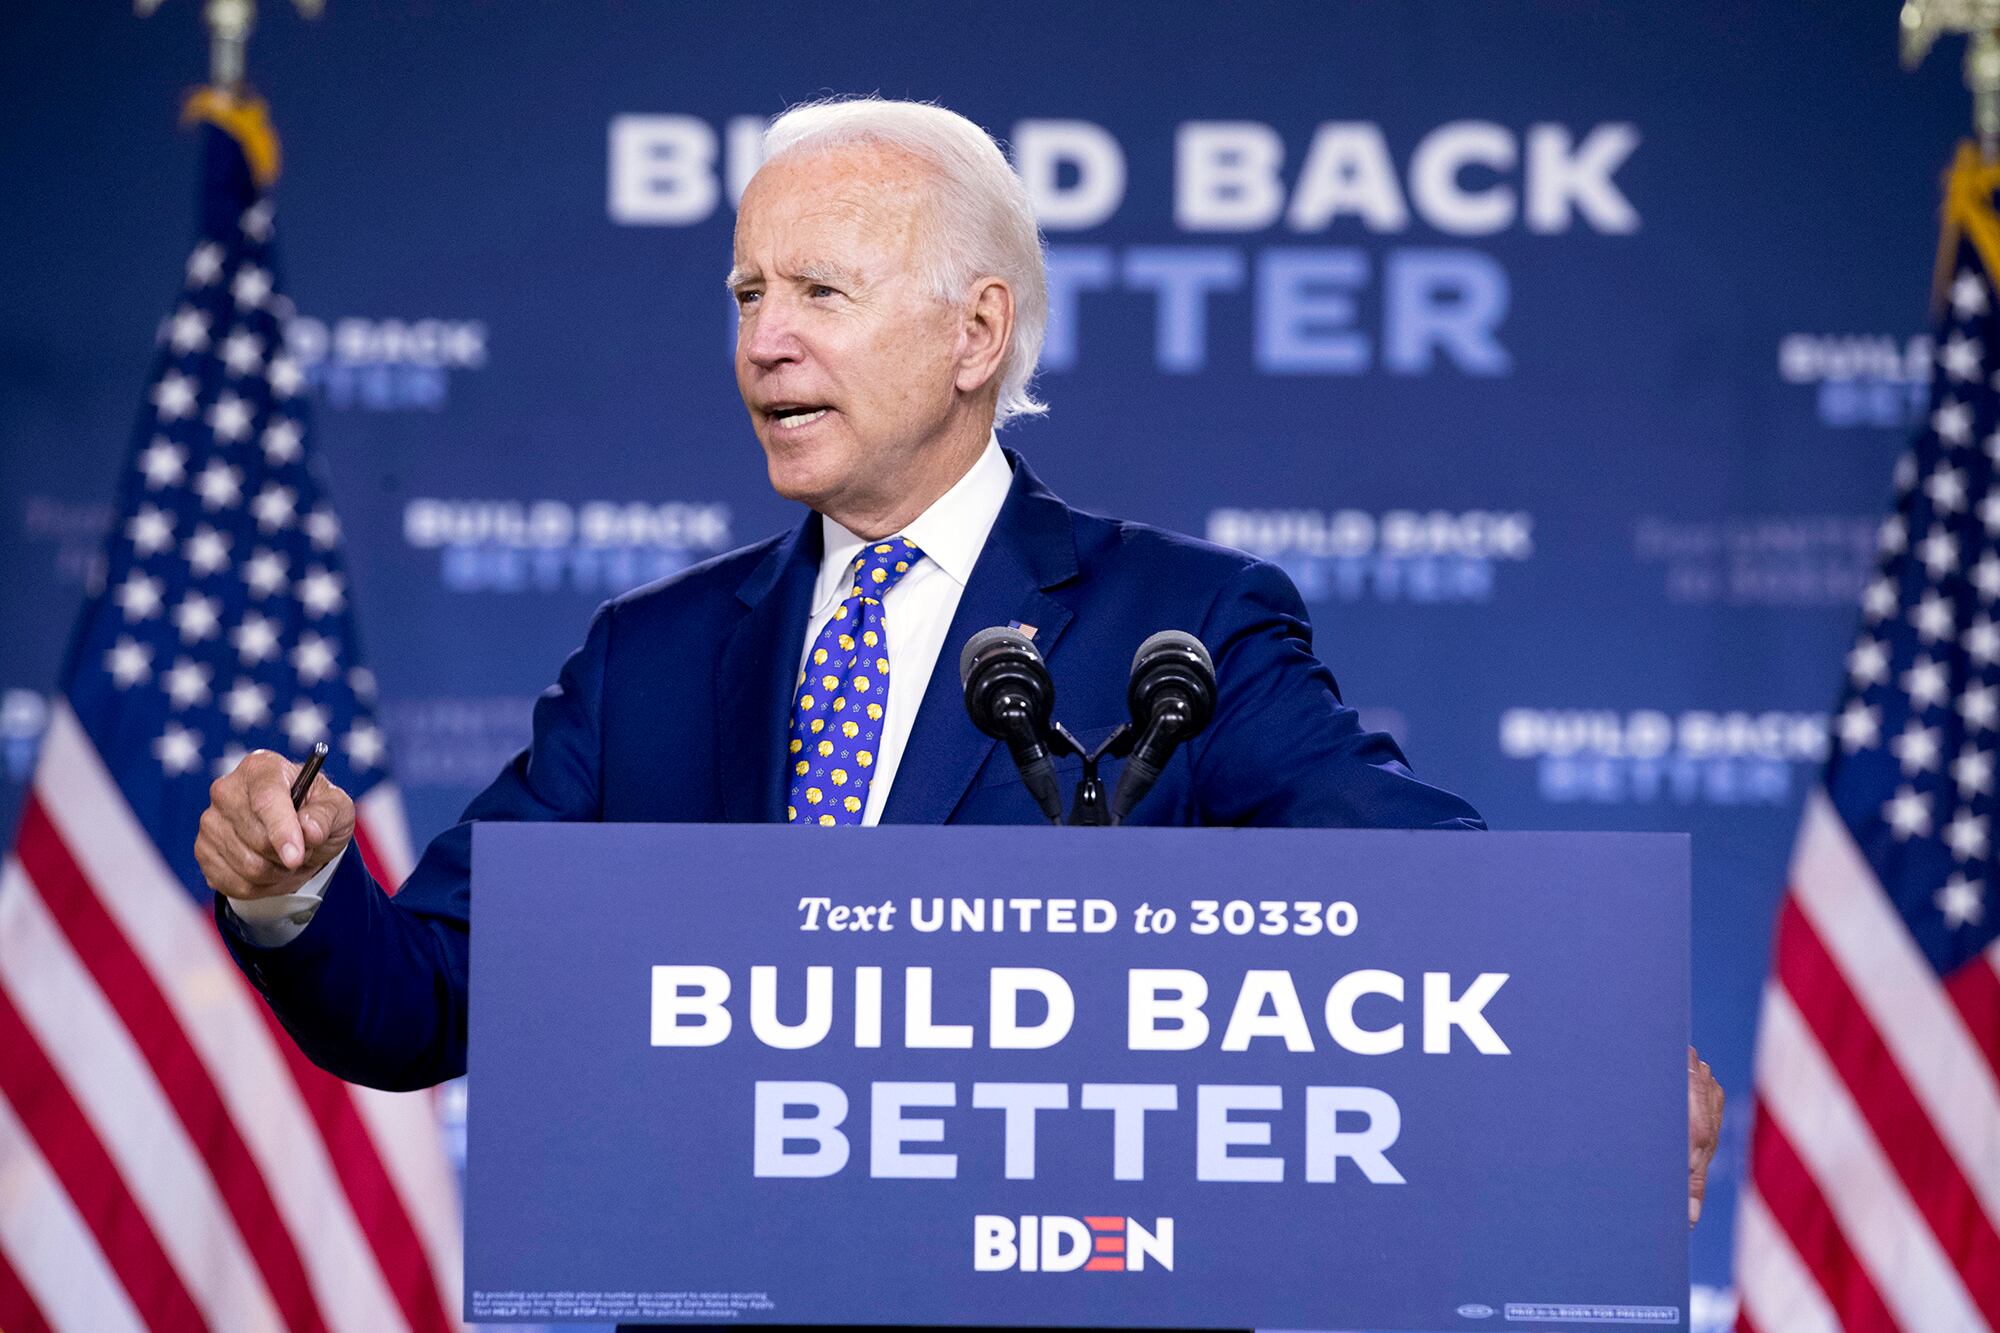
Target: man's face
x: 845, y: 359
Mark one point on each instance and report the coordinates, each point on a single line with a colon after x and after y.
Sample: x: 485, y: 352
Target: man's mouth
x: 793, y: 417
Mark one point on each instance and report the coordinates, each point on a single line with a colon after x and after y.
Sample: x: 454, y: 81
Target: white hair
x: 983, y: 223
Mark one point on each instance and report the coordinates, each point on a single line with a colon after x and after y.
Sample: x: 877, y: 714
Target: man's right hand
x: 252, y: 843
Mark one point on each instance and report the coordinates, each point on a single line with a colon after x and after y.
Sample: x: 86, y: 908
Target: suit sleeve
x: 374, y: 988
x: 1283, y: 749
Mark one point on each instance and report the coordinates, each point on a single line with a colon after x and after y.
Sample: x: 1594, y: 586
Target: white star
x: 1968, y: 296
x: 163, y: 462
x: 188, y: 330
x: 313, y: 659
x: 273, y: 506
x: 139, y: 596
x: 1939, y: 552
x: 1946, y: 488
x: 1894, y: 535
x: 1933, y: 617
x: 248, y: 704
x: 284, y: 376
x: 1982, y: 642
x: 362, y: 681
x: 187, y: 682
x: 1966, y: 836
x: 256, y: 639
x: 242, y: 352
x: 219, y: 485
x: 1973, y: 772
x: 1906, y: 474
x: 205, y: 264
x: 364, y: 745
x: 305, y: 724
x: 252, y: 285
x: 174, y: 396
x: 207, y: 551
x: 1986, y: 577
x: 1927, y: 683
x: 323, y: 528
x: 1916, y: 749
x: 1960, y: 357
x: 265, y: 573
x: 1962, y: 900
x: 1868, y: 664
x: 1880, y: 598
x: 1980, y: 707
x: 178, y: 750
x: 129, y: 662
x: 1908, y: 813
x: 320, y: 591
x: 197, y: 617
x: 1989, y: 513
x: 1860, y: 726
x: 281, y: 442
x: 232, y: 755
x: 151, y: 530
x: 256, y: 221
x: 230, y: 418
x: 1953, y: 422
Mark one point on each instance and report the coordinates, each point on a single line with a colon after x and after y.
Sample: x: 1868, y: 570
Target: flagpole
x: 229, y: 24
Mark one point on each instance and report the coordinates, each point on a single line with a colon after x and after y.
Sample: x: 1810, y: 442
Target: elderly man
x: 889, y: 280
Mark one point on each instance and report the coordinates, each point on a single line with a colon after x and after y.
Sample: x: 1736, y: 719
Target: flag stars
x: 1933, y: 617
x: 174, y: 396
x: 256, y: 221
x: 255, y: 638
x: 1968, y: 296
x: 1927, y: 683
x: 252, y: 285
x: 284, y: 377
x: 1868, y: 663
x: 1894, y: 535
x: 1962, y: 900
x: 139, y: 596
x: 1939, y: 552
x: 187, y: 331
x: 363, y: 744
x: 1878, y: 601
x: 187, y: 682
x: 323, y: 528
x: 1980, y: 707
x: 230, y: 419
x: 1961, y: 357
x: 242, y: 353
x: 204, y: 266
x: 163, y: 462
x: 197, y: 617
x: 207, y: 551
x: 1986, y: 577
x: 264, y: 573
x: 305, y: 724
x: 1953, y: 422
x: 274, y: 506
x: 282, y: 441
x: 1946, y: 489
x: 1916, y: 749
x: 1908, y: 813
x: 1982, y: 642
x: 1860, y: 727
x: 1973, y: 772
x: 151, y: 530
x: 362, y: 681
x: 248, y: 704
x: 178, y: 750
x: 232, y: 755
x: 220, y: 486
x: 129, y: 662
x: 320, y: 592
x: 313, y: 658
x: 1966, y: 836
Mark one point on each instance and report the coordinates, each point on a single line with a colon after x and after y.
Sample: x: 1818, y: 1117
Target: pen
x: 303, y: 783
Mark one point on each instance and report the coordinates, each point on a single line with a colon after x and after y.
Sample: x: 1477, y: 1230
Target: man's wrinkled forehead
x: 861, y: 197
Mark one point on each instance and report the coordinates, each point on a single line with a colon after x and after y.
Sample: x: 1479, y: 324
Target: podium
x: 1029, y: 1076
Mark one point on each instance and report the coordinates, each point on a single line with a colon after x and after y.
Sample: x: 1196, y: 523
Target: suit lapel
x: 758, y: 671
x: 1031, y: 549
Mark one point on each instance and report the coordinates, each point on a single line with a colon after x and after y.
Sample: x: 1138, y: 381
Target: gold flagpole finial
x: 1924, y: 21
x: 229, y: 24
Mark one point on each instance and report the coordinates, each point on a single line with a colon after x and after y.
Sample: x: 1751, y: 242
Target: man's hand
x: 252, y: 843
x: 1704, y: 1129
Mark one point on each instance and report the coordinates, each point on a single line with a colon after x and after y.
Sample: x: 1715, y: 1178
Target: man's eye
x: 744, y: 298
x: 820, y: 289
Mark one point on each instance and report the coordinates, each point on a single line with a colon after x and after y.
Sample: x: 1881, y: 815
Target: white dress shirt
x: 916, y: 615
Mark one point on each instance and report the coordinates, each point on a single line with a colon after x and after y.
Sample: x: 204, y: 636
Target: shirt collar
x: 951, y: 533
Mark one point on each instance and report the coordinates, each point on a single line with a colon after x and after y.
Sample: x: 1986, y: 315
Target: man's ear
x: 986, y: 328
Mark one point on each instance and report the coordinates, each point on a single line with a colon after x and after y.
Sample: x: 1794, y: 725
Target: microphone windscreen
x: 1173, y: 638
x: 986, y: 639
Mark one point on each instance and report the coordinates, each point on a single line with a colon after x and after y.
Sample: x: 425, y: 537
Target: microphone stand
x: 1089, y: 807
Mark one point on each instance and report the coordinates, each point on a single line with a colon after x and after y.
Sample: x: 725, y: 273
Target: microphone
x: 1010, y: 696
x: 1172, y: 697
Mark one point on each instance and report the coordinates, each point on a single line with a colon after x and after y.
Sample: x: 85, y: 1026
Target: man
x: 889, y: 280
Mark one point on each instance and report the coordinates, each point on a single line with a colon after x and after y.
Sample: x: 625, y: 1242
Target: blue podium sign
x: 1175, y: 1077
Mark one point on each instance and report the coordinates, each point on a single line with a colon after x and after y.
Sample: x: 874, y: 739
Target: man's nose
x: 767, y: 335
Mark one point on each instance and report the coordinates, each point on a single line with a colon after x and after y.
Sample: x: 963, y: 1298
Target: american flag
x: 168, y: 1159
x: 1873, y: 1199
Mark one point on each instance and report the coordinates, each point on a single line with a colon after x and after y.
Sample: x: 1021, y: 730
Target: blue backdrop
x: 1561, y: 352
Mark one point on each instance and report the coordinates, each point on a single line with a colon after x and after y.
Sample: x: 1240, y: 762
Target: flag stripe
x: 223, y: 1017
x: 1838, y: 893
x: 67, y: 1141
x: 130, y: 989
x: 18, y: 1310
x: 1803, y: 1216
x: 400, y: 1255
x: 1804, y: 1098
x: 1974, y: 990
x: 1773, y: 1286
x: 1904, y: 1133
x: 47, y: 1244
x: 404, y: 1126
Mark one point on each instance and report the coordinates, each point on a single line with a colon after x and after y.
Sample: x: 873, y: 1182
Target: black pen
x: 302, y: 784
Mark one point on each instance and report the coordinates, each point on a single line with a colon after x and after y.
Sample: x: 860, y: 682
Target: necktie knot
x: 881, y: 566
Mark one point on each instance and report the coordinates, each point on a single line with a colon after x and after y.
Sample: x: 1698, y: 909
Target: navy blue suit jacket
x: 675, y: 710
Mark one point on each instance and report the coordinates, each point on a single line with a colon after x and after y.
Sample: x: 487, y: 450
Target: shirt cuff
x: 272, y: 922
